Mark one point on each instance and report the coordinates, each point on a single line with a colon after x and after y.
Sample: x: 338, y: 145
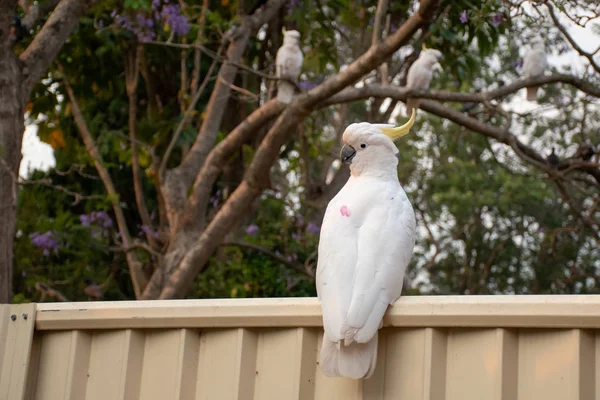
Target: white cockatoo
x: 535, y: 63
x: 366, y: 242
x: 420, y: 74
x: 288, y: 64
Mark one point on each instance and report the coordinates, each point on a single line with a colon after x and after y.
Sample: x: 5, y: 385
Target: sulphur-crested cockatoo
x: 366, y: 242
x: 288, y: 64
x: 420, y: 74
x: 535, y: 63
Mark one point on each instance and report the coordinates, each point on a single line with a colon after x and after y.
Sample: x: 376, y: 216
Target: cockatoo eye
x: 363, y: 145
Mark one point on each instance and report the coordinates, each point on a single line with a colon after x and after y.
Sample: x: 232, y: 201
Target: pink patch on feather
x: 345, y: 212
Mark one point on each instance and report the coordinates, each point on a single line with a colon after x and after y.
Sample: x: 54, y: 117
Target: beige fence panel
x: 430, y: 348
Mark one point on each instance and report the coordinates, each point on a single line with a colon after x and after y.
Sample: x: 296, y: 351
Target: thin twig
x: 188, y: 115
x: 138, y: 278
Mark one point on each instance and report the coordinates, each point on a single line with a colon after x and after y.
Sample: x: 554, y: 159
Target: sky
x: 40, y: 155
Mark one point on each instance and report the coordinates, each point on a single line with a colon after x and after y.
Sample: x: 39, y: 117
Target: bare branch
x: 379, y: 15
x: 137, y: 276
x: 401, y: 92
x: 132, y: 69
x: 188, y: 115
x: 220, y: 154
x: 48, y: 183
x: 38, y: 11
x: 256, y: 178
x: 215, y: 108
x: 47, y: 291
x: 589, y: 56
x: 45, y: 46
x: 501, y: 135
x: 138, y: 245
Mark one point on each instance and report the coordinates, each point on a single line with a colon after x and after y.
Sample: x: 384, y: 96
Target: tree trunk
x: 12, y: 125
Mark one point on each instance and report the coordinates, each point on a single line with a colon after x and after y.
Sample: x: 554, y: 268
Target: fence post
x: 16, y: 336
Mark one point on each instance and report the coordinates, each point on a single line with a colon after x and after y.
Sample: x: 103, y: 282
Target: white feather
x: 362, y: 256
x: 535, y: 63
x: 288, y: 65
x: 420, y: 74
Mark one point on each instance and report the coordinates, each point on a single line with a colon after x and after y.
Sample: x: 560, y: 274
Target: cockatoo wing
x: 338, y: 247
x: 282, y: 55
x: 419, y: 77
x: 534, y: 63
x: 363, y: 258
x: 381, y: 265
x: 288, y: 62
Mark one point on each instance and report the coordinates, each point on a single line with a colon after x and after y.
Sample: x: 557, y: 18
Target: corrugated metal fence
x: 431, y: 348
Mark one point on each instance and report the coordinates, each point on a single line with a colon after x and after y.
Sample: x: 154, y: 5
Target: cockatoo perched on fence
x: 420, y: 74
x: 534, y: 64
x: 367, y: 240
x: 288, y: 63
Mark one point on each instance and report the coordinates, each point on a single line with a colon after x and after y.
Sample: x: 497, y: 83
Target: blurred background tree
x: 493, y: 215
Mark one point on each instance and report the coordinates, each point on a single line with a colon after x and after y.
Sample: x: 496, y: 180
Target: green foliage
x: 488, y: 223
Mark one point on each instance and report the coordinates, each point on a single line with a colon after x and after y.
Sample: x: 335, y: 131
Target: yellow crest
x: 397, y: 133
x: 423, y: 47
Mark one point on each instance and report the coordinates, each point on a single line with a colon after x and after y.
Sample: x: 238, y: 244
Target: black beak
x: 347, y: 154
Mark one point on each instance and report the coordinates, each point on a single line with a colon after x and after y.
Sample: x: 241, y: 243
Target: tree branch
x: 188, y: 115
x: 400, y: 93
x: 379, y: 15
x: 501, y: 135
x: 45, y: 46
x: 137, y: 275
x: 37, y: 12
x: 589, y: 56
x: 256, y: 178
x: 216, y: 106
x: 132, y: 68
x: 218, y: 157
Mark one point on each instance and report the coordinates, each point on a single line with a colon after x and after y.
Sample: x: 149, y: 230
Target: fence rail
x: 431, y: 347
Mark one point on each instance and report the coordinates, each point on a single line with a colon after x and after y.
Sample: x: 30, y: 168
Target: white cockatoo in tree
x: 366, y: 242
x: 288, y: 64
x: 420, y: 74
x: 535, y: 63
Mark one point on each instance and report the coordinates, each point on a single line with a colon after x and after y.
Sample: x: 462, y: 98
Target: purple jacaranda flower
x: 113, y: 14
x: 149, y: 232
x: 299, y: 220
x: 497, y: 20
x: 307, y: 85
x: 45, y: 241
x: 463, y: 17
x: 312, y: 228
x: 123, y: 147
x: 101, y: 23
x: 100, y: 218
x: 85, y: 220
x: 292, y: 257
x: 252, y: 230
x: 176, y: 21
x: 295, y: 236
